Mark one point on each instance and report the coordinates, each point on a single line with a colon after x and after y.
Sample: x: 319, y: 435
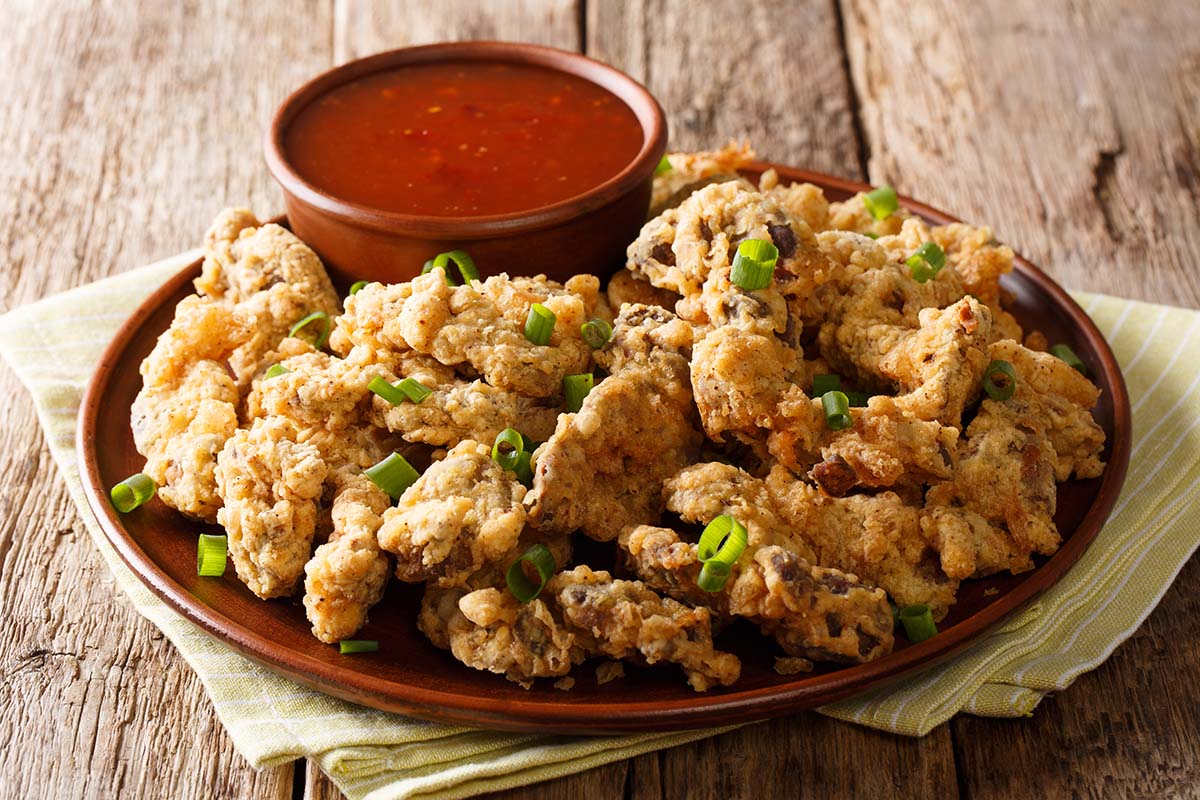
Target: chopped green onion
x: 858, y: 399
x: 918, y: 623
x: 881, y: 202
x: 132, y: 492
x: 414, y: 390
x: 826, y: 383
x: 540, y: 324
x: 837, y: 411
x: 713, y: 576
x: 926, y: 262
x: 870, y: 235
x: 1065, y: 353
x: 350, y: 646
x: 1000, y: 380
x: 664, y: 165
x: 210, y: 555
x: 318, y: 317
x: 356, y: 287
x: 595, y: 333
x: 519, y: 583
x: 507, y: 449
x: 276, y: 370
x: 576, y: 387
x: 724, y: 539
x: 464, y: 262
x: 393, y: 475
x: 386, y: 390
x: 524, y: 468
x: 754, y: 264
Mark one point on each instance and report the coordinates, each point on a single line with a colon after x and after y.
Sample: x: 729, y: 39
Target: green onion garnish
x: 721, y: 545
x: 881, y: 202
x: 870, y: 235
x: 393, y: 475
x: 576, y: 387
x: 464, y: 262
x: 754, y: 264
x: 595, y: 333
x: 918, y: 623
x: 926, y: 262
x: 524, y: 468
x: 356, y: 286
x: 522, y: 588
x: 826, y: 383
x: 210, y: 555
x: 386, y: 390
x: 664, y: 165
x: 350, y: 646
x: 132, y: 492
x: 1000, y: 380
x: 858, y: 399
x: 276, y: 370
x: 837, y: 410
x: 414, y: 390
x: 539, y: 324
x: 315, y: 317
x: 507, y: 449
x: 1065, y: 353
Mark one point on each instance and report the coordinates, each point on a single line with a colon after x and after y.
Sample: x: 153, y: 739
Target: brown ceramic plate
x: 411, y: 676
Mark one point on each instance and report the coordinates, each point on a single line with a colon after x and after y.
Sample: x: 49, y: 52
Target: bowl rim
x: 629, y: 91
x: 563, y: 716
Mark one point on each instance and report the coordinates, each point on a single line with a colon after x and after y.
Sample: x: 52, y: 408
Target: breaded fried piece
x: 940, y: 365
x: 876, y: 537
x: 678, y: 249
x: 692, y: 171
x: 852, y: 215
x: 372, y: 320
x: 347, y: 574
x: 272, y: 278
x: 630, y: 287
x: 187, y: 406
x: 459, y: 409
x: 269, y: 485
x: 998, y: 509
x: 602, y: 469
x: 464, y: 512
x: 803, y: 201
x: 483, y: 325
x: 814, y: 612
x: 627, y: 620
x: 738, y: 377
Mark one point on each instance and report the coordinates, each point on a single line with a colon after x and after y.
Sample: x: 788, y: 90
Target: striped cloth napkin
x: 52, y: 346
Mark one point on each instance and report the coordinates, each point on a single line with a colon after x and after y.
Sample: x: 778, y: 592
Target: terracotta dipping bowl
x: 585, y: 233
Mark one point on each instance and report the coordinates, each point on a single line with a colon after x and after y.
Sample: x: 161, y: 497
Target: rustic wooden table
x: 1073, y: 128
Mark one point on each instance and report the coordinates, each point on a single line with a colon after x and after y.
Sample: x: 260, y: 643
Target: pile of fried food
x: 703, y: 405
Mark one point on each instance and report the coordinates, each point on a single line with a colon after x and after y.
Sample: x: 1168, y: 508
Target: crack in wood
x: 1104, y: 179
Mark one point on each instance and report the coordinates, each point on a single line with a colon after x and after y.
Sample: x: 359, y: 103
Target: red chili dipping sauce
x: 462, y: 138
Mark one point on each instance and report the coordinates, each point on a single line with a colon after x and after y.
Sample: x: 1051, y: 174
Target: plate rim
x: 562, y: 716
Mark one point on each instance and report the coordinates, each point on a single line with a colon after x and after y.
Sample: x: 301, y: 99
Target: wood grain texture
x: 125, y: 129
x: 1073, y: 128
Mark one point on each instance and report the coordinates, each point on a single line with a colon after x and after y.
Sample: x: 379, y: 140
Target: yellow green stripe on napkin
x: 53, y: 345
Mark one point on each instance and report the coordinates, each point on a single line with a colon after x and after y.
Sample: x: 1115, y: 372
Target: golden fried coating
x: 852, y: 215
x: 372, y: 321
x: 738, y: 377
x: 692, y: 171
x: 630, y: 287
x: 272, y: 279
x: 626, y: 620
x: 459, y: 409
x: 269, y: 484
x: 876, y: 537
x: 803, y: 201
x: 483, y: 325
x: 602, y: 469
x: 347, y: 574
x: 187, y: 406
x: 464, y: 512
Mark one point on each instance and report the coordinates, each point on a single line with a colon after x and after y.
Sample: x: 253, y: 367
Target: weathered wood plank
x: 125, y: 127
x: 1070, y: 128
x: 364, y: 28
x: 770, y: 72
